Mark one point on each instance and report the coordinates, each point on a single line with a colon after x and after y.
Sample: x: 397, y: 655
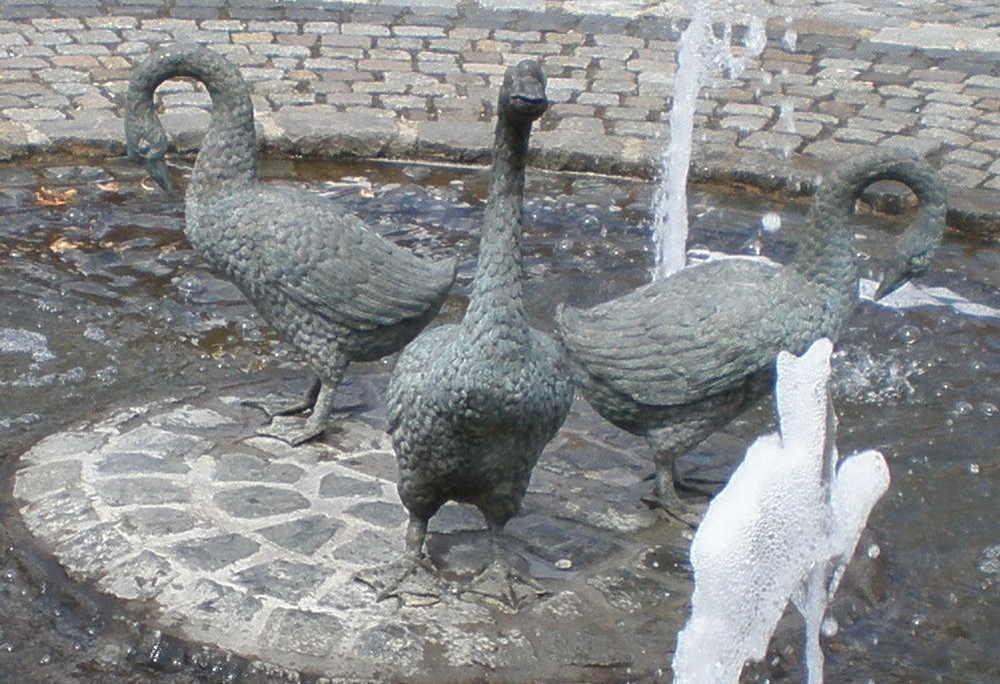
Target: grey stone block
x: 40, y: 479
x: 322, y: 129
x: 245, y: 467
x: 286, y: 580
x: 141, y: 577
x: 158, y: 521
x: 123, y: 463
x: 380, y: 513
x: 150, y: 491
x: 211, y: 598
x: 305, y: 535
x: 258, y: 501
x: 63, y: 445
x: 301, y: 631
x: 215, y: 552
x: 336, y: 486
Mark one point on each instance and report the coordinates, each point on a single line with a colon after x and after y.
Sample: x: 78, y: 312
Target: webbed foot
x: 272, y: 405
x: 414, y: 581
x: 292, y: 430
x: 674, y: 507
x: 501, y: 585
x: 666, y: 499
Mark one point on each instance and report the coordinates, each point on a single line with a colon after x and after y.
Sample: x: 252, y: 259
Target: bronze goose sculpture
x: 472, y: 405
x: 334, y: 289
x: 678, y: 358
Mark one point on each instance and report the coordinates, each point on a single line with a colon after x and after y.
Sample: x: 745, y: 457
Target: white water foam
x: 782, y: 530
x: 911, y: 296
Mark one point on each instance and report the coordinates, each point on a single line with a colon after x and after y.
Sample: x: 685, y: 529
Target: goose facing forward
x: 334, y: 289
x: 678, y: 358
x: 472, y: 405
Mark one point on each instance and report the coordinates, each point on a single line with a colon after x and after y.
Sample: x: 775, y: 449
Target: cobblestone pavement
x: 250, y: 545
x: 417, y: 78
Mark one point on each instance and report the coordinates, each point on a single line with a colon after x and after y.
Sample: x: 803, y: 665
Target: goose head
x: 901, y: 270
x: 916, y: 246
x: 522, y: 95
x: 146, y: 141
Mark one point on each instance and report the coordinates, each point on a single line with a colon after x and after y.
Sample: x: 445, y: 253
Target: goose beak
x: 159, y: 172
x: 895, y: 277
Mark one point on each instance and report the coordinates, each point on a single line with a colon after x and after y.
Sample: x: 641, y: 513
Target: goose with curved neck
x: 472, y: 405
x: 335, y: 290
x: 677, y: 359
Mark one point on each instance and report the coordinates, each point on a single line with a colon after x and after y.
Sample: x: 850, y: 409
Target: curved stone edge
x: 68, y: 514
x: 322, y: 132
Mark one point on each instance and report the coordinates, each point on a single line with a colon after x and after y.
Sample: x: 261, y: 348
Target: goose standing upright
x: 677, y: 359
x: 334, y: 289
x: 472, y: 405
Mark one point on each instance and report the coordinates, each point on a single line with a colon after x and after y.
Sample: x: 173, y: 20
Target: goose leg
x: 272, y: 409
x: 500, y: 583
x: 292, y: 430
x: 412, y: 578
x: 665, y: 497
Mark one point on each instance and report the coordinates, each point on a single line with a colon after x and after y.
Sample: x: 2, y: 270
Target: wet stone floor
x: 143, y: 518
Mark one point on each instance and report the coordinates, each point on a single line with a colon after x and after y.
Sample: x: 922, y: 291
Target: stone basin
x: 140, y: 491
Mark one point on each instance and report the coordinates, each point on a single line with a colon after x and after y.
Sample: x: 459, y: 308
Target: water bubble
x: 989, y: 562
x: 789, y: 39
x: 564, y: 564
x: 874, y: 551
x: 590, y: 221
x: 962, y: 408
x: 190, y: 285
x: 974, y: 468
x: 829, y: 627
x: 988, y: 409
x: 770, y: 221
x: 908, y: 334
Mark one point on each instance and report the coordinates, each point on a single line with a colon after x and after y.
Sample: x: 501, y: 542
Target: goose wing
x: 694, y: 334
x: 330, y: 263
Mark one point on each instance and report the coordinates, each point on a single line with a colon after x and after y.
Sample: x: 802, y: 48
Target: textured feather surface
x: 663, y: 347
x: 466, y: 430
x: 322, y: 258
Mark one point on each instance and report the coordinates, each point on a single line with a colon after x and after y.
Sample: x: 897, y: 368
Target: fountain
x: 700, y: 51
x: 143, y: 538
x: 783, y: 529
x: 140, y: 334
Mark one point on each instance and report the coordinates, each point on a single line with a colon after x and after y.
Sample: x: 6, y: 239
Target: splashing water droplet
x: 907, y: 334
x: 770, y: 222
x: 789, y: 39
x: 830, y: 627
x: 974, y: 468
x: 989, y: 562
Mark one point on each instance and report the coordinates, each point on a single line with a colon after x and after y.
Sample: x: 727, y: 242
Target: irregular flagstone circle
x: 224, y: 537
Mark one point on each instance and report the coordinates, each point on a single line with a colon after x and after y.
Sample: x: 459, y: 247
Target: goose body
x: 334, y: 289
x: 678, y: 358
x: 472, y: 405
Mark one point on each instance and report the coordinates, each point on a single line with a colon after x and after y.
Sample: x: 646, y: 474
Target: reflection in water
x: 108, y: 302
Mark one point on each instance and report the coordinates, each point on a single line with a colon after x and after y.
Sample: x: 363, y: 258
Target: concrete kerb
x: 844, y: 80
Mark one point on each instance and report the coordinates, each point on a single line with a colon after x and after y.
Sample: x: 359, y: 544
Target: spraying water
x: 782, y: 530
x: 700, y: 50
